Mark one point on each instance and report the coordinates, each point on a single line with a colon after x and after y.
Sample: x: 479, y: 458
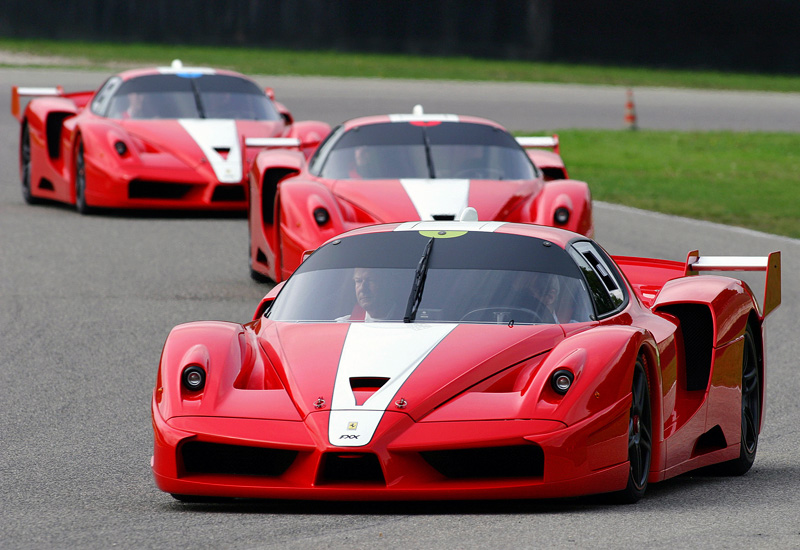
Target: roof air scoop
x: 176, y: 64
x: 417, y: 110
x: 469, y: 214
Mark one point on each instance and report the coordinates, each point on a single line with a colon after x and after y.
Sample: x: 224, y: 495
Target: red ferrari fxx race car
x: 405, y: 167
x: 167, y: 138
x: 468, y: 360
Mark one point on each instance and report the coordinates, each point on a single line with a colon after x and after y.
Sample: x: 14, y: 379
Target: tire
x: 80, y: 180
x: 25, y: 164
x: 751, y: 411
x: 640, y: 438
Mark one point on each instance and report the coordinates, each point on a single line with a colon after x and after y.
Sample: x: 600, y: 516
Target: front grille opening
x: 140, y: 189
x: 444, y: 217
x: 488, y: 462
x: 200, y: 457
x: 228, y: 193
x: 348, y: 467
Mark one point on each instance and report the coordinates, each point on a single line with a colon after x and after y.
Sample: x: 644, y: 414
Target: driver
x: 539, y: 292
x: 373, y: 296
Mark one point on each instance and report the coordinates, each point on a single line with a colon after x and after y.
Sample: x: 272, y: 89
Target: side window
x: 604, y: 282
x: 102, y: 97
x: 324, y: 149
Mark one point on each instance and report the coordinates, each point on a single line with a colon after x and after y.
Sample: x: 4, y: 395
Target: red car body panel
x: 271, y: 388
x: 285, y: 194
x: 174, y: 170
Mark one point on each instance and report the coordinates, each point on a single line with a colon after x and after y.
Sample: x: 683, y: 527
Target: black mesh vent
x: 213, y: 458
x: 488, y: 462
x: 553, y: 174
x: 139, y: 189
x: 697, y: 328
x: 363, y: 467
x: 228, y: 193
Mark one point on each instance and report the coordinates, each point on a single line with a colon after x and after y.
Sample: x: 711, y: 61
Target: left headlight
x: 561, y: 381
x: 321, y: 216
x: 121, y: 148
x: 561, y: 215
x: 193, y: 378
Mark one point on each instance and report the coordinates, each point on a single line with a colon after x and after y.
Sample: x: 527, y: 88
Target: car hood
x: 428, y: 199
x: 360, y: 371
x: 197, y: 142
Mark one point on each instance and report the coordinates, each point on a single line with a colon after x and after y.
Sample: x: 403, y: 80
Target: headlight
x: 561, y: 381
x: 193, y: 378
x: 561, y: 216
x: 321, y: 216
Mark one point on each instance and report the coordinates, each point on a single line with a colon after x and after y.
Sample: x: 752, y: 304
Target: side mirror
x: 267, y: 300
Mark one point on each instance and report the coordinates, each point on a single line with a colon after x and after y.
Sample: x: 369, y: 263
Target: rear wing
x: 770, y: 265
x: 17, y: 92
x: 272, y: 142
x: 540, y: 142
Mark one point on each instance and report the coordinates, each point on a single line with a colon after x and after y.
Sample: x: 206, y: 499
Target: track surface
x: 88, y: 301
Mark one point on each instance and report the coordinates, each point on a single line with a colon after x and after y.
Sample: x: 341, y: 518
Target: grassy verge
x: 326, y: 63
x: 736, y: 178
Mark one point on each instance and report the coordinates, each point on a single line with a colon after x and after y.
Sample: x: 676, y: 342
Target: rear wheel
x: 25, y: 164
x: 751, y: 411
x: 80, y: 180
x: 640, y: 439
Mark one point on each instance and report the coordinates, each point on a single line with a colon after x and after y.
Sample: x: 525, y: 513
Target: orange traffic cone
x: 630, y: 112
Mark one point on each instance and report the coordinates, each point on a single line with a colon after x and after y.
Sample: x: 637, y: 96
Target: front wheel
x: 80, y: 180
x: 25, y: 164
x: 640, y: 439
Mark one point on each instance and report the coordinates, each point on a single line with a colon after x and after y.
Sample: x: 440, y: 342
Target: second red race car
x: 405, y: 167
x: 165, y: 138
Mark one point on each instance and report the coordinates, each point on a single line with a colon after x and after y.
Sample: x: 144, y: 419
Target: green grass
x: 736, y: 178
x: 328, y: 63
x: 744, y: 179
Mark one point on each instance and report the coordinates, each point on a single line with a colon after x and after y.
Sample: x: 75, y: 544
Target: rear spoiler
x: 771, y: 265
x: 18, y: 92
x: 539, y: 142
x: 272, y: 142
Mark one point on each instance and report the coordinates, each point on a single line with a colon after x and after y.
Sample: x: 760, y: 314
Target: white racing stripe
x: 437, y: 196
x: 384, y: 350
x: 213, y: 134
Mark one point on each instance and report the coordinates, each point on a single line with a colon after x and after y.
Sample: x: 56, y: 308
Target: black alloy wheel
x: 25, y: 164
x: 80, y: 180
x: 640, y: 438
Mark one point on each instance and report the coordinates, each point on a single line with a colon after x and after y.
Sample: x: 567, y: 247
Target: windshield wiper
x: 197, y: 101
x: 419, y: 283
x: 428, y: 157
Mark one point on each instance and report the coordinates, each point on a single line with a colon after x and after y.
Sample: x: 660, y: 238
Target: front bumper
x: 249, y: 458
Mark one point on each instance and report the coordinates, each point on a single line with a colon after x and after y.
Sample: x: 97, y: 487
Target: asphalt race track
x: 88, y: 301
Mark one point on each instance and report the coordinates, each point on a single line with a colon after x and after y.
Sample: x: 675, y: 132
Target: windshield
x: 190, y: 96
x: 473, y: 277
x: 436, y: 149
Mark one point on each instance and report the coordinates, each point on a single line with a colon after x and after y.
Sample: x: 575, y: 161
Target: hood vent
x: 364, y: 387
x: 444, y: 217
x: 223, y: 151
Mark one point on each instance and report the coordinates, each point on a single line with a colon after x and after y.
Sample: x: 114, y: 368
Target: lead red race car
x: 403, y: 167
x: 468, y: 360
x: 161, y: 138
